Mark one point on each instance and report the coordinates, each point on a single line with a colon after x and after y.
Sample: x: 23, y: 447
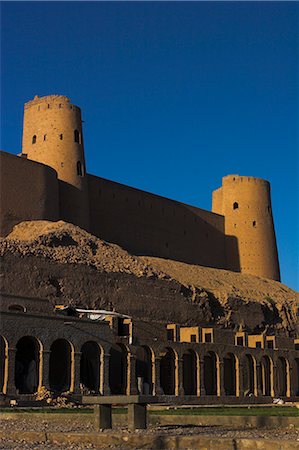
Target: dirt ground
x: 76, y: 424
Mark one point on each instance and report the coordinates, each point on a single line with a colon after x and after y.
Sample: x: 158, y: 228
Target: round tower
x: 245, y: 202
x: 52, y: 135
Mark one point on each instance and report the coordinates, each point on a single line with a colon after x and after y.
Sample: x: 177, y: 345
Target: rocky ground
x: 75, y: 424
x: 65, y: 264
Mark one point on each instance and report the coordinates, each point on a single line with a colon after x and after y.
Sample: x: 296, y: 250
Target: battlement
x: 244, y: 179
x: 50, y: 102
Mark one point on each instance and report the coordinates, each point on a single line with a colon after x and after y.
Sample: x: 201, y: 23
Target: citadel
x: 202, y: 363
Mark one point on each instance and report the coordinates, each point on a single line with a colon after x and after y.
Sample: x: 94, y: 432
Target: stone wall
x: 29, y: 191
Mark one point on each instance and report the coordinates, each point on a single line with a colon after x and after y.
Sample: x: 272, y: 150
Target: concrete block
x: 103, y: 417
x: 137, y: 416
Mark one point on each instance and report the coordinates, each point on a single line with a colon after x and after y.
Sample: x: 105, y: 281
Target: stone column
x: 132, y: 385
x: 179, y: 386
x: 275, y: 380
x: 46, y: 369
x: 11, y: 387
x: 202, y: 389
x: 259, y: 379
x: 75, y: 375
x: 220, y: 378
x: 289, y: 379
x: 105, y: 386
x: 157, y: 377
x: 239, y: 379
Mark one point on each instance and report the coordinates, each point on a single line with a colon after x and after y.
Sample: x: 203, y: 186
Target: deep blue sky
x: 174, y: 95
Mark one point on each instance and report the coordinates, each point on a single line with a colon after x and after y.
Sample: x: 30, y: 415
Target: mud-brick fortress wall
x: 50, y: 182
x: 148, y: 224
x: 28, y: 191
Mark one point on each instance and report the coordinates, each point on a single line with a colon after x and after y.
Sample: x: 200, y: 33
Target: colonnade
x: 201, y: 370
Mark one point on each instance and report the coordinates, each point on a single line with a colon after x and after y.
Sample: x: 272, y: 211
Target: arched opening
x: 167, y: 372
x: 90, y: 366
x: 190, y: 373
x: 76, y: 136
x: 248, y: 375
x: 230, y: 379
x: 282, y: 377
x: 296, y: 377
x: 79, y: 169
x: 17, y: 308
x: 266, y: 365
x: 60, y: 366
x: 210, y: 373
x: 144, y: 376
x: 3, y: 364
x: 27, y: 365
x: 235, y: 205
x: 118, y: 370
x: 34, y: 139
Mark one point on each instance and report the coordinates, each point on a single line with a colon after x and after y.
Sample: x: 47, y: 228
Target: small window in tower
x: 60, y: 105
x: 235, y: 205
x: 79, y: 169
x: 61, y: 137
x: 45, y: 137
x: 254, y: 223
x: 48, y: 105
x: 76, y: 136
x: 34, y: 139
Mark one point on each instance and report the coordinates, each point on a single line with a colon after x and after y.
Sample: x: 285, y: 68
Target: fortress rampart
x: 49, y: 182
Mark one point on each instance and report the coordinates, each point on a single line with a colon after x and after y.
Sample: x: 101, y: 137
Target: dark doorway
x: 118, y: 369
x: 190, y: 373
x: 266, y: 376
x: 229, y: 367
x: 210, y: 373
x: 282, y: 377
x: 60, y: 366
x: 248, y: 375
x: 167, y: 372
x: 27, y: 365
x: 90, y: 366
x: 144, y: 370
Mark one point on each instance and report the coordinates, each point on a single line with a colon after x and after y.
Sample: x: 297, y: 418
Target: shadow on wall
x: 73, y: 205
x: 232, y: 254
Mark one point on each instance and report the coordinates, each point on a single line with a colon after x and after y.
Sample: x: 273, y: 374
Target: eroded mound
x: 88, y: 271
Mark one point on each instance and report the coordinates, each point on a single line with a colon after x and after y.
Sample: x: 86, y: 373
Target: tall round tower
x: 245, y: 202
x: 52, y: 135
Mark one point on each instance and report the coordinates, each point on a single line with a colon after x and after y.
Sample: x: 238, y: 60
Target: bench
x: 137, y: 409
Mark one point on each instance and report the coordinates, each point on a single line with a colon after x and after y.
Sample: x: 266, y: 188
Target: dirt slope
x: 61, y: 262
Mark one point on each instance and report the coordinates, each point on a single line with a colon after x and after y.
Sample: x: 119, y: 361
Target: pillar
x: 239, y: 379
x: 46, y: 369
x: 259, y: 379
x: 11, y: 387
x: 220, y: 378
x: 132, y: 386
x: 75, y: 373
x: 202, y: 389
x: 137, y: 416
x: 179, y: 387
x: 105, y: 386
x: 157, y: 376
x: 102, y: 417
